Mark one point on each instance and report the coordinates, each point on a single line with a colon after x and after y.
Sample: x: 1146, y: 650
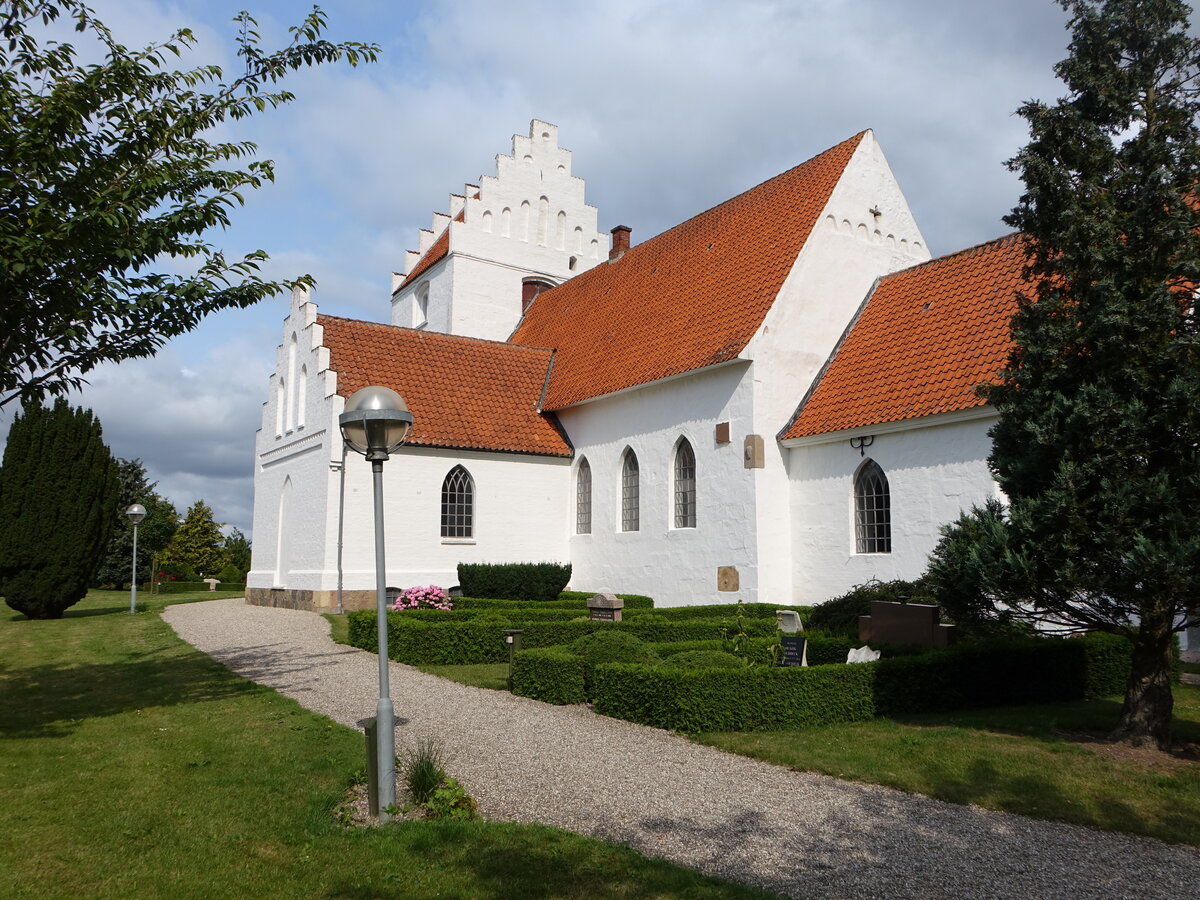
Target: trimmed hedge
x: 984, y: 673
x: 423, y: 641
x: 1003, y: 671
x: 748, y: 699
x: 540, y: 582
x: 729, y: 611
x: 566, y: 600
x: 550, y: 675
x: 187, y: 587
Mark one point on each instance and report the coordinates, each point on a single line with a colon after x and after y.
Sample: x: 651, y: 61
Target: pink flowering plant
x: 431, y: 597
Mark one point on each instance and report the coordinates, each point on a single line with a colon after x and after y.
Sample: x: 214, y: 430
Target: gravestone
x: 905, y: 623
x: 795, y: 651
x: 605, y: 608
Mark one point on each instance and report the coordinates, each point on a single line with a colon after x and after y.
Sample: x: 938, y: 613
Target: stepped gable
x: 436, y: 253
x: 926, y: 337
x: 688, y: 298
x: 463, y: 392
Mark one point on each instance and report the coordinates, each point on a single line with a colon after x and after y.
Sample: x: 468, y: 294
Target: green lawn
x: 133, y: 766
x: 1015, y: 758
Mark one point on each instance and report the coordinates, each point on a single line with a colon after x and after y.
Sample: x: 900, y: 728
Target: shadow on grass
x: 50, y: 700
x: 510, y: 862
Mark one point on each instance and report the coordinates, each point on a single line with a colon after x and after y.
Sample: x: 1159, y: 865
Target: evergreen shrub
x: 552, y: 675
x: 540, y: 582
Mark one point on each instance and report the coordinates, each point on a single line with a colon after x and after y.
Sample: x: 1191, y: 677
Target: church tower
x: 501, y: 243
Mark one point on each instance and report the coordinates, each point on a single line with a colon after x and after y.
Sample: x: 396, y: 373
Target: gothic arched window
x: 458, y: 504
x: 583, y: 498
x: 872, y: 510
x: 685, y: 485
x: 630, y: 492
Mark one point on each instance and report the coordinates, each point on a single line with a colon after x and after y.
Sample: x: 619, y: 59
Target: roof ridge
x: 965, y: 251
x: 435, y: 334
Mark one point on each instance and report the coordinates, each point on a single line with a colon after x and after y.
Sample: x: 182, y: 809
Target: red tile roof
x: 691, y: 297
x: 927, y: 337
x: 463, y: 392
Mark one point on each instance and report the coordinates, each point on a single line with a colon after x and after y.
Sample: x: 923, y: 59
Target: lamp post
x: 135, y: 514
x: 376, y: 422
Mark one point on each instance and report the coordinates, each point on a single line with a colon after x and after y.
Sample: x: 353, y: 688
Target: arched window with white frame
x: 458, y: 504
x: 872, y: 510
x: 630, y: 492
x: 583, y: 497
x: 684, y: 472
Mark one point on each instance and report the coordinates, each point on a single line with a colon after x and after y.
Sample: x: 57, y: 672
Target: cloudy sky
x: 668, y: 107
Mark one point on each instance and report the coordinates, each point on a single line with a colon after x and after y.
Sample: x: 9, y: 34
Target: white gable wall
x: 529, y: 221
x: 675, y: 566
x: 292, y: 453
x: 848, y: 249
x: 936, y: 468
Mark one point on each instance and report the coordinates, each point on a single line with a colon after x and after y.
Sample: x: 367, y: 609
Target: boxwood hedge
x: 983, y: 673
x: 450, y: 640
x: 552, y: 675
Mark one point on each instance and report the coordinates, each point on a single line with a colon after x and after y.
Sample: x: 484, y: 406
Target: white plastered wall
x: 549, y: 234
x: 848, y: 249
x: 675, y: 566
x: 936, y: 468
x: 520, y: 506
x: 292, y: 453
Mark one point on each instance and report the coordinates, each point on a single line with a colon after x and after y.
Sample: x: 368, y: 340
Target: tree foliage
x: 58, y: 490
x: 197, y: 543
x: 1098, y: 443
x: 154, y: 532
x: 237, y: 550
x: 109, y: 173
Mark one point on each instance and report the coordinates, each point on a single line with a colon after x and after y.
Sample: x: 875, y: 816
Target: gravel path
x: 799, y: 834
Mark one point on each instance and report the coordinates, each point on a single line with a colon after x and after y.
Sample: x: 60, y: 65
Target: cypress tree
x: 198, y: 542
x: 58, y: 490
x: 1098, y: 443
x: 154, y: 532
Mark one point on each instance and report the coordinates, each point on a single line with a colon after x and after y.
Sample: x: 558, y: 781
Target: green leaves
x: 109, y: 172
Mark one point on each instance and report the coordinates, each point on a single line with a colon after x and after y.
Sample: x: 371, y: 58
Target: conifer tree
x: 154, y: 532
x: 198, y: 542
x: 58, y: 490
x: 1098, y: 443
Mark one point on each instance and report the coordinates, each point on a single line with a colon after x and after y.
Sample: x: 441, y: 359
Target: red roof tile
x: 690, y: 297
x: 463, y: 392
x: 927, y: 337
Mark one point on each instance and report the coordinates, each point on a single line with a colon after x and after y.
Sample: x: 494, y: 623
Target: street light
x: 376, y: 422
x: 135, y: 514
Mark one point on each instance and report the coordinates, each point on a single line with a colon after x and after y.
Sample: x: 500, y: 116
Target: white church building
x: 773, y: 400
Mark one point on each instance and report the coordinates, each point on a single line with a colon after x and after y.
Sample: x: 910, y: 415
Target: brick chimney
x: 620, y: 242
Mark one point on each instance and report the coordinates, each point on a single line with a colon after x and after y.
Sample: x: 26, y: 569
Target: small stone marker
x: 605, y: 608
x: 212, y: 583
x: 862, y: 654
x: 788, y: 621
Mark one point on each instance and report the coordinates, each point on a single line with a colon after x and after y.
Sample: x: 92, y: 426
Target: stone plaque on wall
x: 727, y: 578
x: 753, y: 454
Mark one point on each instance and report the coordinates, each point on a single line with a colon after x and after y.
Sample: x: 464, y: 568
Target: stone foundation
x: 312, y: 601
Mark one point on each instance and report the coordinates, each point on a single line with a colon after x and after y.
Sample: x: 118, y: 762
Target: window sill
x: 458, y: 540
